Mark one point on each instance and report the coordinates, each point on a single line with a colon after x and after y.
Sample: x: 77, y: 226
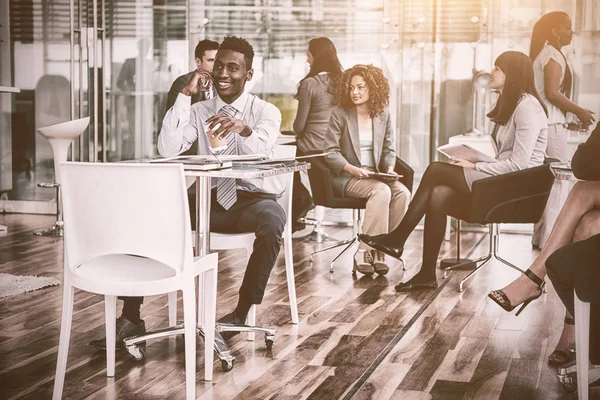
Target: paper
x: 194, y: 163
x: 464, y: 151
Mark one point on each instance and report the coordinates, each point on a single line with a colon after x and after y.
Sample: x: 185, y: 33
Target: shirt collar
x: 239, y: 104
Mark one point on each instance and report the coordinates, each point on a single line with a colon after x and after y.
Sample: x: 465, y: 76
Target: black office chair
x: 514, y: 198
x: 320, y: 178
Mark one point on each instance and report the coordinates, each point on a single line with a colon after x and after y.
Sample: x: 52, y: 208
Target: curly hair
x: 377, y: 83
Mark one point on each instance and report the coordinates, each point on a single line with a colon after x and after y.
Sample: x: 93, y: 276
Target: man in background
x: 205, y: 53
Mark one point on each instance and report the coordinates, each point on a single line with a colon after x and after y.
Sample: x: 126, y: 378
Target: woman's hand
x: 358, y: 173
x: 585, y: 117
x: 461, y: 162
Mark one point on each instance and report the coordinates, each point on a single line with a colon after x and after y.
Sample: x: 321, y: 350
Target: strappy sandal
x: 503, y: 301
x: 560, y: 357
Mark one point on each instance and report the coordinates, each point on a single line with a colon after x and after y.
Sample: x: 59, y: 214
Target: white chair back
x: 137, y: 209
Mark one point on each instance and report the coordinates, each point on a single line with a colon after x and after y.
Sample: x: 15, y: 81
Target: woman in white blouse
x: 519, y: 138
x: 554, y: 80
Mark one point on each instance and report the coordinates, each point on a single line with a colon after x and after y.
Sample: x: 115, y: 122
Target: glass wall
x: 126, y: 54
x: 432, y: 47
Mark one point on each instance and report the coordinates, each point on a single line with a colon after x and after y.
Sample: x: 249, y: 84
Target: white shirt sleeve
x: 178, y: 131
x: 264, y: 132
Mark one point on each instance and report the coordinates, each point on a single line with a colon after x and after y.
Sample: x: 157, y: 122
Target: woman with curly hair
x: 519, y: 137
x: 361, y: 139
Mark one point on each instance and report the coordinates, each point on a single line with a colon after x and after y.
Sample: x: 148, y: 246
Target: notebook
x: 464, y: 151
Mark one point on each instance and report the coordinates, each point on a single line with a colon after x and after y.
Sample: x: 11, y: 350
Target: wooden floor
x: 357, y: 338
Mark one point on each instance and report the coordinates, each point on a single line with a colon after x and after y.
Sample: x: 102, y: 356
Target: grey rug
x: 11, y: 285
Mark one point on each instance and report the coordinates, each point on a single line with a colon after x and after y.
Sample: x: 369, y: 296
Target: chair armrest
x: 502, y: 194
x: 407, y: 173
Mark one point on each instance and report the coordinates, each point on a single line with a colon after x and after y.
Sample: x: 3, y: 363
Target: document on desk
x: 198, y: 163
x: 464, y: 151
x: 279, y: 160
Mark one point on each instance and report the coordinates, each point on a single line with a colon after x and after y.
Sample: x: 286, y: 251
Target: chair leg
x: 172, y: 308
x: 289, y: 272
x: 338, y: 244
x: 209, y: 291
x: 110, y: 312
x: 202, y: 298
x: 251, y: 321
x: 63, y: 343
x: 495, y: 251
x: 582, y: 341
x: 189, y: 318
x: 352, y: 241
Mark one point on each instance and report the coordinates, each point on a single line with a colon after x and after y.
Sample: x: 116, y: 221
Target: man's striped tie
x: 226, y: 187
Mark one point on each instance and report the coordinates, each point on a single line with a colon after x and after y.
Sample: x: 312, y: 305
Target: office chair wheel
x: 227, y: 365
x: 570, y: 383
x: 137, y: 352
x: 269, y: 343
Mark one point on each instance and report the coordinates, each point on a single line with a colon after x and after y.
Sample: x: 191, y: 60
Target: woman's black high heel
x: 390, y: 251
x: 503, y: 301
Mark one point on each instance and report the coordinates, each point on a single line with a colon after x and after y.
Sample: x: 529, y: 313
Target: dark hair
x: 518, y: 69
x: 241, y: 46
x: 204, y: 45
x: 542, y: 34
x: 325, y: 59
x: 377, y: 83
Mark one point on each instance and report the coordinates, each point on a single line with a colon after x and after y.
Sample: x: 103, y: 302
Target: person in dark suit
x: 360, y: 137
x: 205, y: 53
x: 571, y: 258
x: 315, y: 102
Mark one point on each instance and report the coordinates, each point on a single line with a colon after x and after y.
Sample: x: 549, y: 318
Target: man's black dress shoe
x: 412, y: 287
x: 390, y: 251
x: 232, y: 319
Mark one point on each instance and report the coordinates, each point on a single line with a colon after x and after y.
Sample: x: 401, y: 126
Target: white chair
x: 582, y: 343
x: 60, y: 137
x: 116, y: 246
x: 229, y: 241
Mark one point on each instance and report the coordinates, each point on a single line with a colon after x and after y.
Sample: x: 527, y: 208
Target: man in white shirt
x: 251, y: 126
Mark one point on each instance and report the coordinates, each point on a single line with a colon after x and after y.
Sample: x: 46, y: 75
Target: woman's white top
x: 367, y: 157
x: 555, y: 114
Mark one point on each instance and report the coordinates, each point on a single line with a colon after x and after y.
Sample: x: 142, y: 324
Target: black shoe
x: 371, y: 241
x: 297, y: 226
x: 229, y: 319
x: 503, y: 301
x: 125, y: 329
x: 413, y: 287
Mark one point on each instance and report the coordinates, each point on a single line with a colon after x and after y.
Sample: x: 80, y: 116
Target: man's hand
x: 390, y: 170
x: 461, y: 162
x: 223, y: 125
x: 198, y: 82
x: 358, y: 173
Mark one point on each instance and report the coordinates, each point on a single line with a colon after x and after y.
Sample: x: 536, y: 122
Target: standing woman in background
x: 554, y: 80
x: 315, y: 102
x: 554, y: 83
